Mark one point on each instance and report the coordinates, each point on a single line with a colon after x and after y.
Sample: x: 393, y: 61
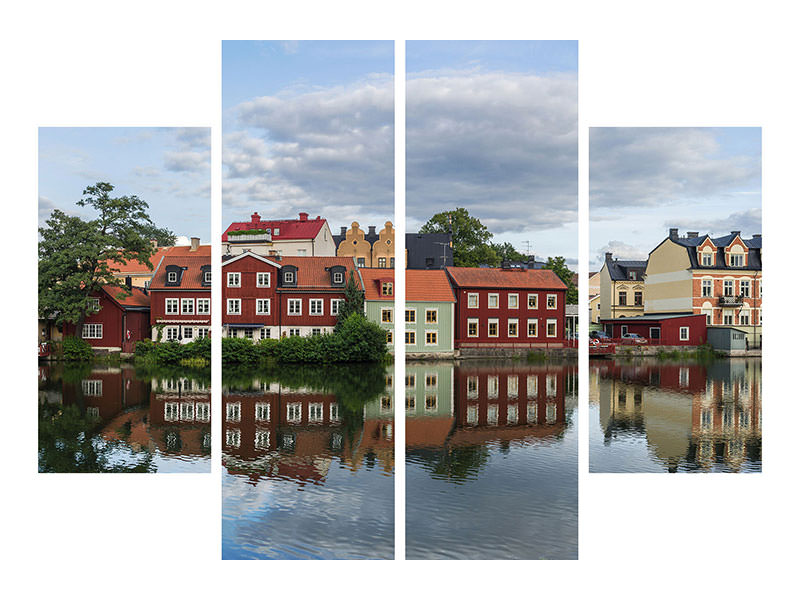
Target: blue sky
x: 308, y: 126
x: 169, y: 168
x: 643, y: 181
x: 493, y: 127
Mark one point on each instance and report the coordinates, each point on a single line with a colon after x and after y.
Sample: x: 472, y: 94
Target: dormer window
x: 707, y: 259
x: 338, y: 278
x: 387, y: 288
x: 288, y: 277
x: 737, y: 260
x: 632, y: 275
x: 207, y: 277
x: 172, y: 277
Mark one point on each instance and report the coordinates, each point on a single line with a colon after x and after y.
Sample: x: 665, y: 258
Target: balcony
x: 249, y: 238
x: 731, y: 300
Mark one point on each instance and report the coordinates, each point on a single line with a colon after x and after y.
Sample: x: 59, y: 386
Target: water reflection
x: 491, y: 461
x: 95, y: 419
x: 649, y: 416
x: 308, y: 457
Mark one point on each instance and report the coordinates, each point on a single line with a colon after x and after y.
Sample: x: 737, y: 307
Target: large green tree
x: 506, y: 251
x: 559, y: 266
x: 471, y: 238
x: 353, y: 301
x: 75, y: 255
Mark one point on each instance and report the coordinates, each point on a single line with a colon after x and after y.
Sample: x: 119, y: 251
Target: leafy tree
x: 470, y: 237
x: 559, y: 266
x: 506, y: 251
x: 353, y: 301
x: 162, y: 235
x: 74, y: 254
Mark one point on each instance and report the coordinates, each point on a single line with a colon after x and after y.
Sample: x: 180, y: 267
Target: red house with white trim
x: 665, y: 330
x: 508, y: 307
x: 271, y: 297
x: 180, y: 292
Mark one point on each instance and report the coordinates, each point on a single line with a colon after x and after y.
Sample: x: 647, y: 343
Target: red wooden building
x: 665, y: 330
x: 180, y: 292
x: 508, y: 307
x: 270, y: 297
x: 120, y: 321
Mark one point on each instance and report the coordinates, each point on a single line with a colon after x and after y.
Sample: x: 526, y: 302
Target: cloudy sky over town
x: 169, y: 168
x: 643, y: 181
x: 308, y: 126
x: 493, y: 127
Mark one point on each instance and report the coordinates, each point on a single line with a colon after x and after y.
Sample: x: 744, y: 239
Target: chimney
x: 128, y: 282
x: 736, y: 233
x: 304, y: 216
x: 343, y: 231
x: 692, y: 234
x: 195, y: 244
x: 319, y: 218
x: 531, y: 262
x: 254, y: 218
x: 372, y: 230
x: 673, y: 233
x: 757, y: 235
x: 608, y: 256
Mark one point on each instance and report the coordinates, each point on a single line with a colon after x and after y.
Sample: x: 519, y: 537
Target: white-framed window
x: 234, y: 306
x: 411, y: 380
x: 532, y: 413
x: 338, y: 278
x: 172, y: 277
x: 431, y: 380
x: 411, y: 338
x: 316, y: 331
x: 513, y: 327
x: 171, y: 333
x: 294, y: 332
x: 333, y: 413
x: 233, y: 412
x: 266, y: 333
x: 202, y: 332
x: 263, y: 280
x: 494, y: 328
x: 472, y: 414
x: 684, y: 334
x: 737, y: 260
x: 261, y: 441
x: 708, y: 259
x: 431, y: 316
x: 315, y: 412
x: 494, y: 301
x: 411, y: 315
x: 552, y: 301
x: 512, y: 386
x: 233, y: 438
x: 294, y: 412
x: 431, y: 338
x: 234, y: 280
x: 202, y: 411
x: 187, y: 306
x: 533, y: 301
x: 171, y: 411
x: 336, y: 303
x: 551, y: 385
x: 532, y: 385
x: 187, y: 411
x: 263, y: 306
x: 92, y: 387
x: 707, y: 287
x: 493, y: 386
x: 203, y: 306
x: 533, y: 327
x: 472, y: 300
x: 683, y: 376
x: 387, y: 315
x: 744, y: 287
x: 727, y: 287
x: 472, y: 386
x: 551, y: 327
x: 188, y: 333
x: 389, y: 336
x: 513, y: 301
x: 288, y: 277
x: 512, y: 414
x: 382, y: 262
x: 171, y: 306
x: 709, y: 313
x: 472, y: 327
x: 92, y: 331
x: 492, y: 410
x: 550, y: 412
x: 744, y: 316
x: 207, y: 276
x: 431, y: 402
x: 727, y: 317
x: 361, y: 261
x: 93, y: 304
x: 316, y: 307
x: 295, y: 306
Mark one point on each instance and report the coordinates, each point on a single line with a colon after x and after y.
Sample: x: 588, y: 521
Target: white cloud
x: 622, y: 251
x: 747, y: 221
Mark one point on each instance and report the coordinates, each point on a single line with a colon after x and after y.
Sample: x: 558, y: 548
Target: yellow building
x: 621, y: 288
x: 370, y: 248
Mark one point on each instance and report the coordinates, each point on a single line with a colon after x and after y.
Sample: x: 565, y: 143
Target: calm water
x: 650, y: 416
x: 308, y: 463
x: 491, y: 461
x: 98, y: 419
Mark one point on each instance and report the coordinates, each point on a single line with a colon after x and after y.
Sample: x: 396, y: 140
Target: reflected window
x: 233, y: 412
x: 472, y: 386
x: 233, y: 438
x: 294, y: 412
x: 315, y: 412
x: 386, y: 404
x: 512, y: 384
x: 550, y: 413
x: 411, y: 402
x: 411, y: 380
x: 187, y: 411
x: 334, y: 412
x: 431, y: 402
x: 706, y: 418
x: 92, y: 387
x: 492, y: 386
x: 533, y: 413
x: 262, y: 439
x: 491, y: 414
x: 262, y: 411
x: 551, y: 384
x: 431, y: 380
x: 512, y: 414
x: 533, y: 386
x: 171, y: 411
x: 202, y: 411
x: 472, y: 414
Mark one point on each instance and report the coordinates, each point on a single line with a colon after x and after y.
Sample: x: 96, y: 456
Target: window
x: 295, y: 306
x: 472, y: 386
x: 512, y: 386
x: 233, y: 438
x: 431, y: 338
x: 171, y: 306
x: 389, y: 336
x: 386, y: 315
x: 552, y: 300
x: 533, y: 301
x: 492, y: 386
x: 512, y: 414
x: 234, y: 306
x: 551, y: 327
x: 202, y: 411
x: 301, y: 252
x: 432, y: 315
x: 362, y: 262
x: 472, y: 300
x: 411, y: 402
x: 316, y: 331
x: 294, y: 412
x: 202, y: 332
x: 187, y: 306
x: 637, y: 298
x: 262, y: 306
x: 727, y: 317
x: 472, y: 327
x: 261, y: 441
x: 727, y: 287
x: 288, y: 277
x: 172, y: 277
x: 491, y: 414
x: 708, y: 312
x: 494, y: 300
x: 335, y: 304
x: 315, y: 307
x: 262, y: 280
x: 551, y: 385
x: 391, y: 261
x: 623, y: 299
x: 248, y: 334
x: 315, y: 412
x: 234, y: 279
x: 431, y: 380
x: 93, y: 304
x: 532, y: 384
x: 737, y: 260
x: 623, y: 329
x: 744, y: 317
x: 684, y: 334
x: 233, y: 412
x: 744, y: 287
x: 707, y: 286
x: 294, y: 332
x: 338, y: 278
x: 382, y: 262
x: 472, y: 414
x: 513, y: 301
x: 411, y: 380
x: 411, y: 338
x: 493, y: 327
x: 188, y: 333
x: 708, y: 259
x: 92, y: 387
x: 431, y: 402
x: 513, y: 328
x: 171, y: 333
x: 92, y: 331
x: 387, y: 288
x: 411, y: 315
x: 533, y: 327
x: 266, y: 333
x: 532, y: 413
x: 203, y: 306
x: 207, y: 277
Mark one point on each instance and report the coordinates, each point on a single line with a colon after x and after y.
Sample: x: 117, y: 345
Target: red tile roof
x: 137, y: 299
x: 290, y: 229
x: 421, y: 285
x: 134, y: 266
x: 183, y: 257
x: 311, y: 271
x: 372, y: 282
x: 542, y: 279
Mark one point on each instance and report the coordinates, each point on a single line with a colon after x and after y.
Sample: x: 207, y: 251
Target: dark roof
x: 425, y: 250
x: 753, y: 250
x: 621, y: 270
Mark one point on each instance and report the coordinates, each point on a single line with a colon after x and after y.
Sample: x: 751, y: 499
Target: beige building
x: 621, y: 288
x: 369, y: 249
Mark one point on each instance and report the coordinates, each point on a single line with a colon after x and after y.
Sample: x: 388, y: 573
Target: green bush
x: 173, y: 352
x: 73, y: 348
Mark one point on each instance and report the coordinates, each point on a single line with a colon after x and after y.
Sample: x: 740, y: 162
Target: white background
x: 158, y: 63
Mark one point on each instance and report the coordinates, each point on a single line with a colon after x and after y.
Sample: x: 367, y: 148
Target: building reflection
x: 692, y: 415
x: 272, y: 430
